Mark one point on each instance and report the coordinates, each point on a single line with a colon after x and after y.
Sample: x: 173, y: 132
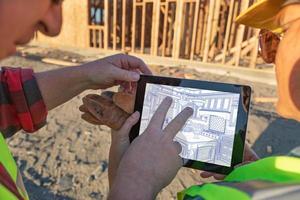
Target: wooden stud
x: 165, y: 26
x: 222, y: 21
x: 234, y: 25
x: 93, y: 38
x: 204, y: 28
x: 124, y: 15
x: 228, y: 28
x: 208, y: 31
x: 155, y: 27
x: 178, y: 27
x: 240, y: 34
x: 143, y: 27
x: 214, y: 30
x: 254, y: 52
x: 170, y: 29
x: 200, y: 27
x: 184, y: 29
x: 232, y: 50
x: 133, y: 26
x: 115, y: 24
x: 194, y: 30
x: 215, y: 19
x: 189, y: 29
x: 106, y: 24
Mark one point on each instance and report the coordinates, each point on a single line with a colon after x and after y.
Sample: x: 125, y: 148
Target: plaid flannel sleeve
x: 21, y: 102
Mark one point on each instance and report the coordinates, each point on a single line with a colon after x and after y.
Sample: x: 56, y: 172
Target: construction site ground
x: 68, y: 158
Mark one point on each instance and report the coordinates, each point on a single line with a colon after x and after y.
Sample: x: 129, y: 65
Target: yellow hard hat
x: 262, y: 14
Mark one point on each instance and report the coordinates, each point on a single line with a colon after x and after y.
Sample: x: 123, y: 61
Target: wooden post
x: 254, y: 52
x: 178, y: 27
x: 155, y: 27
x: 133, y: 26
x: 106, y: 24
x: 199, y: 34
x: 143, y: 27
x: 215, y: 29
x: 184, y: 28
x: 232, y: 36
x: 94, y: 38
x: 165, y: 26
x: 170, y: 29
x: 205, y: 22
x: 228, y: 28
x: 115, y: 5
x: 208, y: 31
x: 100, y: 37
x: 240, y: 34
x: 124, y: 14
x: 194, y: 30
x: 221, y: 32
x: 215, y: 20
x: 188, y: 38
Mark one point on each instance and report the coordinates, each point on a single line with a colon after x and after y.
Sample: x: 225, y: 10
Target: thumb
x: 123, y: 133
x: 125, y: 75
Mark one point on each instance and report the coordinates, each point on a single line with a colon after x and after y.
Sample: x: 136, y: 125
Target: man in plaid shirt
x: 26, y: 97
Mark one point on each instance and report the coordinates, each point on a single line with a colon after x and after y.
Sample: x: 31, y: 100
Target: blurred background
x: 195, y: 39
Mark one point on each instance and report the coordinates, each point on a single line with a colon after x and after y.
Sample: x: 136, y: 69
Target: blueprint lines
x: 208, y: 135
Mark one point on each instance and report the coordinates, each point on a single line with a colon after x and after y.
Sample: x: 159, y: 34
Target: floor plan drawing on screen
x: 208, y: 135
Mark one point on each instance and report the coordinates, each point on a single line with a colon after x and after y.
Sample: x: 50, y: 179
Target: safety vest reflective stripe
x: 267, y: 177
x: 8, y: 163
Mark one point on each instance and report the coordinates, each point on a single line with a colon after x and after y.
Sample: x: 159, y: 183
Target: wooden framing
x: 191, y: 29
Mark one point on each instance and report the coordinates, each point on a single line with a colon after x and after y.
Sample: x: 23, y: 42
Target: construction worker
x: 26, y: 97
x: 150, y: 163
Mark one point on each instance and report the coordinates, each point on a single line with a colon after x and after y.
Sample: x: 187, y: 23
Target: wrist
x: 85, y: 77
x: 132, y: 185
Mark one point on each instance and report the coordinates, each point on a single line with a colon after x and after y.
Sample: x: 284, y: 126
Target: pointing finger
x: 159, y: 116
x: 129, y: 123
x: 178, y: 122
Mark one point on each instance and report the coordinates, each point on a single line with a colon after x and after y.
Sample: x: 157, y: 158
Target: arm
x: 26, y: 97
x: 60, y: 85
x: 152, y: 159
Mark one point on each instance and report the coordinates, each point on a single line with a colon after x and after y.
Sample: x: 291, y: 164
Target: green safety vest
x: 9, y: 164
x: 266, y: 177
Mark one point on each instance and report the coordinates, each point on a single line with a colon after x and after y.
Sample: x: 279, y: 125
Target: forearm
x: 60, y: 85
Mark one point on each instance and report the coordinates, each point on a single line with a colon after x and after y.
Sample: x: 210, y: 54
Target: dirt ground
x: 68, y: 158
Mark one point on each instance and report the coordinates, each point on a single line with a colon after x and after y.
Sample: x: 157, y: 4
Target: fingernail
x: 135, y: 76
x: 136, y: 114
x: 190, y: 109
x: 168, y: 99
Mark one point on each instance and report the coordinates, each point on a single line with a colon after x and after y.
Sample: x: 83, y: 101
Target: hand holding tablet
x: 213, y: 138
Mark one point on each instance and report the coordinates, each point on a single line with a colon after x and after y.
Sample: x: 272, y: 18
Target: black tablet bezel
x: 242, y: 116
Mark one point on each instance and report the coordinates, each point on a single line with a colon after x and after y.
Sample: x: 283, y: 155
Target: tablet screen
x: 208, y: 135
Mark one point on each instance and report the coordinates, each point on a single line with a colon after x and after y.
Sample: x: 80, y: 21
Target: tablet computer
x: 213, y: 138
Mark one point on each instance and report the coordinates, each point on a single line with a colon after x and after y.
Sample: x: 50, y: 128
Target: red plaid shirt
x: 21, y: 102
